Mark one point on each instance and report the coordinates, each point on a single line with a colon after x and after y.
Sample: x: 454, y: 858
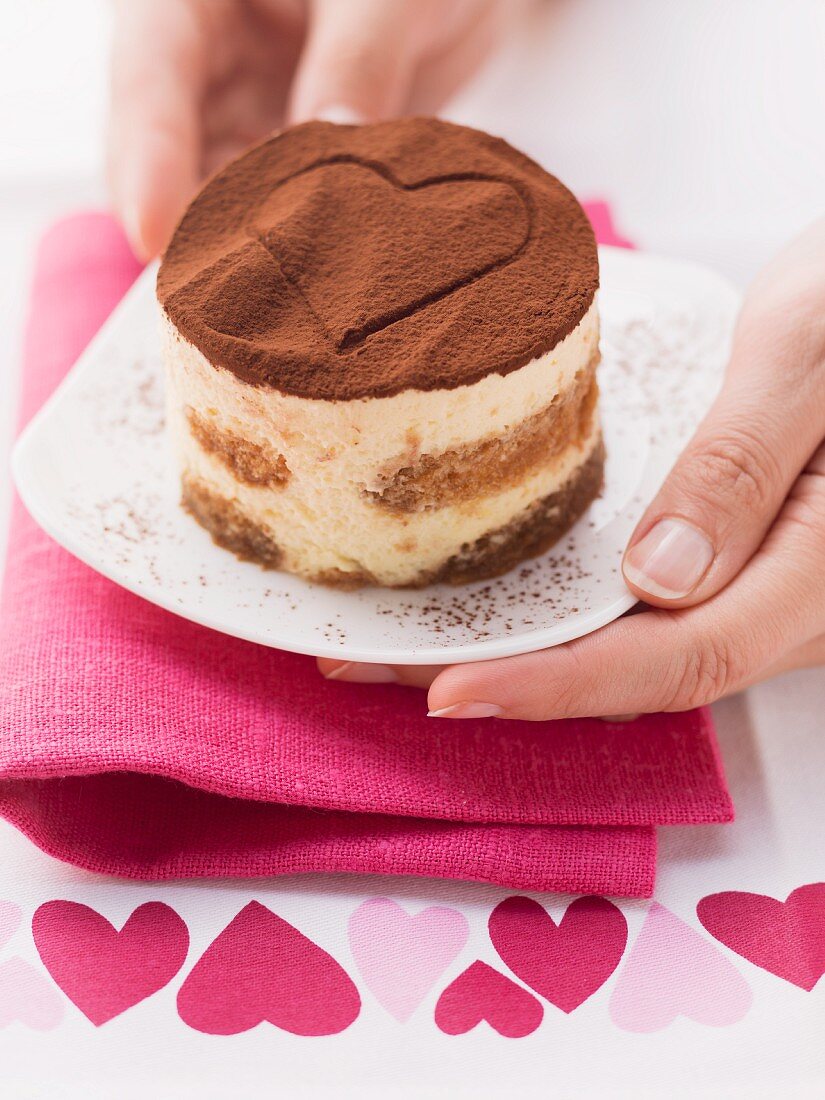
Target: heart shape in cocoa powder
x: 786, y: 938
x: 105, y: 971
x: 566, y: 962
x: 481, y: 993
x: 262, y: 969
x: 364, y: 250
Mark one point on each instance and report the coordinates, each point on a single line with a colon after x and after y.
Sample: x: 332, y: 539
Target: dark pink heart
x: 481, y: 993
x: 786, y: 938
x: 260, y: 968
x: 564, y: 963
x: 105, y: 971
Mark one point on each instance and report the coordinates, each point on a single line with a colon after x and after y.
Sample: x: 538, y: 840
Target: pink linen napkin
x: 136, y: 743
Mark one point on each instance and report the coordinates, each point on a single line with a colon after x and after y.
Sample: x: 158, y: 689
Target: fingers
x: 420, y: 676
x: 154, y: 148
x: 359, y: 60
x: 589, y: 677
x: 470, y: 34
x: 770, y: 619
x: 726, y: 490
x: 669, y: 660
x: 809, y: 655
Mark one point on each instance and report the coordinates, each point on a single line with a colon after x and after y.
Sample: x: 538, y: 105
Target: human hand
x: 193, y: 82
x: 730, y: 555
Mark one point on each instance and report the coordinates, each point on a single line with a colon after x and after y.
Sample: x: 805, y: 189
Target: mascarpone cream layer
x: 319, y: 526
x: 321, y: 519
x: 371, y: 438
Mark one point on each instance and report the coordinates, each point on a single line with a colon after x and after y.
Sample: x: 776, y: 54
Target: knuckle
x: 810, y: 491
x: 803, y: 515
x: 704, y: 672
x: 791, y: 323
x: 362, y: 65
x: 567, y: 690
x: 574, y: 690
x: 805, y: 510
x: 737, y: 469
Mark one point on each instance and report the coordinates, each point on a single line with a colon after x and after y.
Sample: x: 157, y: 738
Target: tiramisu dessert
x: 381, y: 346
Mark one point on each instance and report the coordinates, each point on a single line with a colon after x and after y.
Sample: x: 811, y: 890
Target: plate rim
x: 457, y: 653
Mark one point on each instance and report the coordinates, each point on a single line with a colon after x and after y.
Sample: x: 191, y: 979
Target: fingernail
x: 618, y: 717
x: 340, y: 114
x: 467, y: 710
x: 670, y: 560
x: 356, y: 673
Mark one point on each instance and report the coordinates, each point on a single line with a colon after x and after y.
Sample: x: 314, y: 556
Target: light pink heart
x: 10, y: 917
x: 26, y: 995
x: 401, y: 957
x: 671, y: 971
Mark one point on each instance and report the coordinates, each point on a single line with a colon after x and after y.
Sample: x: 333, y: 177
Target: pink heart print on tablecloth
x: 401, y: 956
x: 567, y: 962
x: 28, y: 997
x: 10, y: 917
x: 105, y: 971
x: 480, y: 993
x: 673, y: 971
x: 25, y: 995
x: 262, y: 969
x: 786, y: 938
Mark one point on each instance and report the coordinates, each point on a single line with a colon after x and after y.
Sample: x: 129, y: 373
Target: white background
x: 702, y: 122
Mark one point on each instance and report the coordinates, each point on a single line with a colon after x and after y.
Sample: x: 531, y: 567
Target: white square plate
x: 94, y: 470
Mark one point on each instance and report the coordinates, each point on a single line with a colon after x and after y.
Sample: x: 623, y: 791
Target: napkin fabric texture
x: 136, y: 743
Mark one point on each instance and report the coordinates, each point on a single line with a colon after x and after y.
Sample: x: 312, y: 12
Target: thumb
x: 358, y: 61
x: 727, y: 488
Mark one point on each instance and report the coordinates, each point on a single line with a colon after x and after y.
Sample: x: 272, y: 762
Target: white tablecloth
x: 702, y: 123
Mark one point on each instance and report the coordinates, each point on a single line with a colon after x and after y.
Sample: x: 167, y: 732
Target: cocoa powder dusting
x: 343, y: 262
